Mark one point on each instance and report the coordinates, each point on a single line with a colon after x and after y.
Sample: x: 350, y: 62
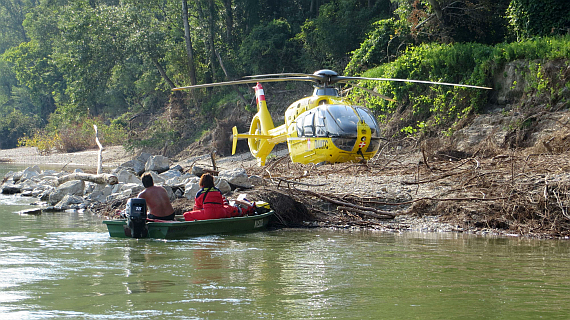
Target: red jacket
x: 210, y: 204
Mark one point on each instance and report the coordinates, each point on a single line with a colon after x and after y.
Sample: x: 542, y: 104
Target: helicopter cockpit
x: 340, y: 123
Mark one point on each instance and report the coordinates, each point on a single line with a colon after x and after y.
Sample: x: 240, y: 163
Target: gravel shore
x: 112, y: 157
x: 392, y: 179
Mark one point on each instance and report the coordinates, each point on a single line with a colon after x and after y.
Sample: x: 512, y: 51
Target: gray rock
x: 191, y: 189
x: 167, y: 175
x: 11, y: 189
x: 143, y: 157
x: 157, y: 163
x: 74, y: 187
x: 197, y: 171
x: 126, y: 176
x: 256, y: 180
x: 236, y: 177
x: 156, y: 179
x: 69, y: 201
x: 135, y: 165
x: 224, y: 186
x: 170, y: 193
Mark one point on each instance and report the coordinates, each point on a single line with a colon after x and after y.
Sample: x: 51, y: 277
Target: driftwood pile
x: 518, y: 192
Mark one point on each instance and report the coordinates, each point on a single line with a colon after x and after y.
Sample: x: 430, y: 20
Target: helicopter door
x: 308, y: 129
x: 320, y: 127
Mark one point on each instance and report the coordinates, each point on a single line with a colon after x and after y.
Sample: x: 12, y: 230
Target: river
x: 65, y: 265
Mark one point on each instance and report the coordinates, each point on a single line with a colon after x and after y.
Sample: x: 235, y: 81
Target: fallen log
x: 103, y: 178
x: 367, y: 213
x: 346, y: 204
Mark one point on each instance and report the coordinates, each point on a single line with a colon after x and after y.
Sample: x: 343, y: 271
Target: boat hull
x: 185, y: 229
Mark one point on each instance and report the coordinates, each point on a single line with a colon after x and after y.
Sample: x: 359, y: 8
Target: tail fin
x: 234, y: 141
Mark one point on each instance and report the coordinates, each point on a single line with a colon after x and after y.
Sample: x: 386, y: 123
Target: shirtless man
x: 157, y: 200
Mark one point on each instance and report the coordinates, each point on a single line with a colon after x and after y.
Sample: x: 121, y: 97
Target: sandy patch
x: 112, y: 157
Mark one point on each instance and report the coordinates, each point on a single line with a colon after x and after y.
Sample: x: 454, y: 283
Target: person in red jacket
x: 209, y: 203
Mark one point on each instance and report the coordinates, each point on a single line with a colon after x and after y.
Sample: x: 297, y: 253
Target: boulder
x: 224, y: 186
x: 30, y: 172
x: 191, y: 189
x: 197, y: 171
x: 143, y: 157
x: 256, y: 180
x: 156, y: 179
x: 172, y: 173
x: 135, y: 165
x: 170, y: 193
x: 73, y: 187
x: 126, y: 176
x: 11, y: 189
x: 237, y: 177
x: 68, y: 202
x: 133, y: 187
x: 157, y: 163
x: 100, y: 193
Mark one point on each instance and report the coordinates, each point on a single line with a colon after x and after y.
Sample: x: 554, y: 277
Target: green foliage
x: 383, y: 44
x: 14, y: 125
x: 161, y: 133
x: 548, y: 48
x: 338, y: 30
x: 268, y: 49
x: 430, y: 109
x: 75, y: 136
x: 529, y: 18
x: 42, y: 140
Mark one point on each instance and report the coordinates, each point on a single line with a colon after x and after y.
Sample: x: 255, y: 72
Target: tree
x: 529, y: 18
x: 188, y: 41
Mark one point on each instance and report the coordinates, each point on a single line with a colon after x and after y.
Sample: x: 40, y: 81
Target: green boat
x: 177, y: 229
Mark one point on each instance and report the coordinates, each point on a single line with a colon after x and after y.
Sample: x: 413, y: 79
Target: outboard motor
x: 136, y: 217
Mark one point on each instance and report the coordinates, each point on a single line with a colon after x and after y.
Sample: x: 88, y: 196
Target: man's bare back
x: 157, y: 201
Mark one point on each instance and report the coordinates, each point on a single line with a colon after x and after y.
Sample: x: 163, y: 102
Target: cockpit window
x: 369, y: 120
x: 326, y: 92
x: 335, y: 121
x: 340, y: 120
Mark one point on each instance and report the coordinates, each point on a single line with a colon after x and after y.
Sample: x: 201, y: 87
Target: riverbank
x: 112, y: 157
x: 401, y: 189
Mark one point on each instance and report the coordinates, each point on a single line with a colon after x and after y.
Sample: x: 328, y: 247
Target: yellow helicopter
x: 324, y: 127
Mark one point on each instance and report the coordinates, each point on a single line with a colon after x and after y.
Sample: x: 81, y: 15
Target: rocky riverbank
x: 401, y: 189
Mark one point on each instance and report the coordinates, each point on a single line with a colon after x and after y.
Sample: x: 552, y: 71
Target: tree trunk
x: 100, y: 154
x: 211, y: 37
x: 435, y: 6
x: 229, y: 22
x: 188, y: 40
x: 163, y: 73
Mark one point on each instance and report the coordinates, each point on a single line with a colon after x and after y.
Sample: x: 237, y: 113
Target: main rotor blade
x: 282, y: 74
x: 346, y: 79
x: 373, y: 93
x: 229, y: 83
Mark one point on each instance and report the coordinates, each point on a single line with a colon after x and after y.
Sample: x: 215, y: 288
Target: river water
x: 65, y: 265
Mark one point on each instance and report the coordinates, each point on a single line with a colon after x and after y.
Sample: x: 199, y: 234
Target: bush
x: 44, y: 141
x: 529, y: 18
x: 15, y: 125
x: 433, y: 109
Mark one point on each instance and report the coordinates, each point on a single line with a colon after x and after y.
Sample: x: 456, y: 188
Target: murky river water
x: 65, y: 265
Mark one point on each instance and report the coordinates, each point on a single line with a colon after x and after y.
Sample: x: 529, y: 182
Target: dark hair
x: 147, y: 180
x: 207, y: 181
